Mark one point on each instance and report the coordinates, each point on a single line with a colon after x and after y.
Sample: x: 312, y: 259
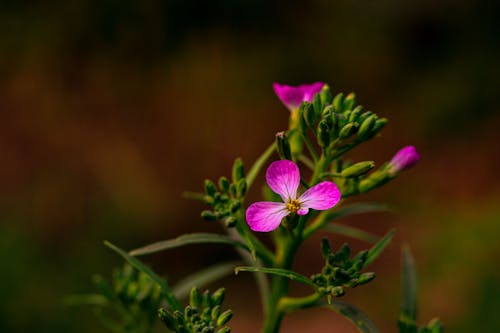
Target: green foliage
x: 203, y: 314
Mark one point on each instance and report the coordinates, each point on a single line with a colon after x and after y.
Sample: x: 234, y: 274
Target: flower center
x: 293, y: 205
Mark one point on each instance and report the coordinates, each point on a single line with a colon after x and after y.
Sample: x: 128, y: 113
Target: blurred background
x: 110, y: 109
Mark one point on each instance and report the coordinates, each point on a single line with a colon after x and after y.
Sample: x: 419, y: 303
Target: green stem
x: 310, y: 147
x: 288, y: 304
x: 259, y: 163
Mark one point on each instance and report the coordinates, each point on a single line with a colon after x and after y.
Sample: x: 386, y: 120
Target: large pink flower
x: 283, y: 177
x: 292, y: 96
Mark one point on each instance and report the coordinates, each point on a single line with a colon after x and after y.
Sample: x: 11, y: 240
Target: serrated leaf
x: 378, y: 248
x: 352, y: 232
x: 134, y: 262
x: 203, y: 277
x: 277, y: 271
x: 355, y: 315
x: 195, y: 238
x: 410, y: 286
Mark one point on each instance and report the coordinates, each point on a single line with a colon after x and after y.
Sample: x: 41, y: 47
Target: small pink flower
x: 404, y: 159
x: 292, y: 96
x: 283, y: 177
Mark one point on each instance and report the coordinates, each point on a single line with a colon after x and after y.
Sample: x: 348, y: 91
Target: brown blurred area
x: 109, y: 110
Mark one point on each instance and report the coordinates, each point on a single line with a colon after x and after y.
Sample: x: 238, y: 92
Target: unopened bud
x: 323, y: 135
x: 366, y: 277
x: 224, y: 318
x: 195, y: 298
x: 365, y: 130
x: 241, y: 188
x: 338, y: 102
x: 238, y: 170
x: 230, y: 221
x: 224, y: 330
x: 167, y: 318
x: 357, y: 169
x: 349, y: 101
x: 308, y: 114
x: 337, y: 291
x: 326, y: 95
x: 375, y: 180
x: 348, y: 130
x: 215, y: 312
x: 224, y: 184
x: 379, y: 124
x: 283, y: 146
x: 208, y: 215
x: 356, y: 113
x: 404, y: 159
x: 218, y: 296
x: 210, y: 187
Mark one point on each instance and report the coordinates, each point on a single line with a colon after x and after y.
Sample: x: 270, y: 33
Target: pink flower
x: 283, y: 177
x: 404, y: 159
x: 292, y: 96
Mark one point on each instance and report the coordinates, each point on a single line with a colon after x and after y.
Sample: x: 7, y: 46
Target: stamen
x: 293, y: 205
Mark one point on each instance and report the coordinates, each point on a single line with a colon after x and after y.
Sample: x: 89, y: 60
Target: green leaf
x: 352, y: 232
x: 203, y: 277
x: 134, y: 262
x: 356, y: 316
x: 277, y: 271
x: 358, y: 208
x: 378, y: 248
x: 195, y: 238
x: 259, y: 163
x: 410, y: 287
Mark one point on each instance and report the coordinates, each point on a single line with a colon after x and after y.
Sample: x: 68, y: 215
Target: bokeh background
x: 110, y: 109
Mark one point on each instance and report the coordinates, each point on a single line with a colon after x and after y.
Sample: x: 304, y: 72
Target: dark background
x: 110, y: 109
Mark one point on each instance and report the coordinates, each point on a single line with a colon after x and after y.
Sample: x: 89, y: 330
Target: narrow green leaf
x: 378, y: 248
x: 352, y: 232
x: 356, y: 316
x: 277, y: 271
x: 195, y: 238
x: 410, y: 286
x: 134, y: 262
x: 87, y: 299
x: 259, y: 163
x: 357, y: 208
x: 203, y: 277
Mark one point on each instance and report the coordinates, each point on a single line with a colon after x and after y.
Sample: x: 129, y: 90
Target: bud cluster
x: 225, y: 198
x: 202, y: 315
x: 336, y: 120
x: 135, y: 294
x: 340, y: 271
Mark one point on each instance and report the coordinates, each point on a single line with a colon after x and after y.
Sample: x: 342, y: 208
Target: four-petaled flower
x: 292, y: 96
x: 404, y: 159
x: 283, y: 177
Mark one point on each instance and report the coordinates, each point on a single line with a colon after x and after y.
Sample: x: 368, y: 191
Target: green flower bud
x: 356, y: 113
x: 167, y: 319
x: 224, y: 330
x: 435, y: 326
x: 241, y: 188
x: 238, y: 170
x: 379, y: 124
x: 218, y: 296
x: 230, y: 221
x: 283, y: 146
x: 215, y: 312
x: 323, y: 135
x: 375, y: 180
x: 365, y: 130
x: 317, y: 105
x: 208, y: 215
x: 326, y: 249
x: 348, y: 130
x: 188, y: 312
x: 326, y: 95
x: 224, y: 184
x: 224, y: 318
x: 357, y: 169
x: 308, y: 114
x: 210, y: 187
x: 235, y: 205
x: 338, y: 102
x: 344, y: 252
x: 349, y: 101
x: 195, y: 298
x: 208, y: 329
x: 363, y: 116
x: 366, y: 277
x: 337, y: 291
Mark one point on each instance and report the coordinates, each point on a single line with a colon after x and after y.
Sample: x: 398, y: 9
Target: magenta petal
x: 321, y: 196
x: 292, y: 96
x: 265, y: 216
x: 404, y: 159
x: 283, y: 177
